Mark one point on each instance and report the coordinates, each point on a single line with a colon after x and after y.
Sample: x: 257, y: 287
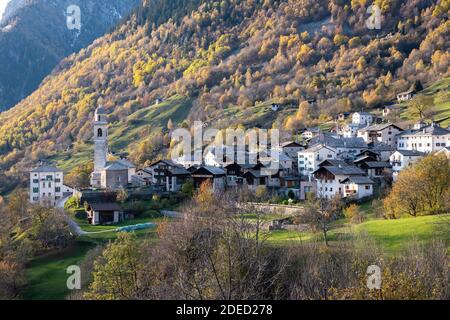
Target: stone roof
x: 411, y: 153
x: 358, y: 180
x: 107, y: 206
x: 379, y: 146
x: 330, y: 141
x: 427, y: 131
x: 380, y: 127
x: 342, y: 170
x: 46, y: 169
x: 378, y: 164
x: 126, y: 163
x: 115, y: 166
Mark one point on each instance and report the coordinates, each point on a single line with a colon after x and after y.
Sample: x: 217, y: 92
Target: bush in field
x: 353, y: 213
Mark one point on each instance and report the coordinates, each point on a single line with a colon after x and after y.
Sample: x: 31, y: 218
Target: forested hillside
x: 224, y: 62
x: 34, y: 38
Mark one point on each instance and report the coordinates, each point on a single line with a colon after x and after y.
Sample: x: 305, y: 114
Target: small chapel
x: 109, y: 175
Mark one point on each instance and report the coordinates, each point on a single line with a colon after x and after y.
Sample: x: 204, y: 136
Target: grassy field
x: 392, y: 235
x: 440, y: 91
x: 46, y: 276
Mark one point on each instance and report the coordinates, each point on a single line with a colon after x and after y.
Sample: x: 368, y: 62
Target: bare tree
x: 320, y: 212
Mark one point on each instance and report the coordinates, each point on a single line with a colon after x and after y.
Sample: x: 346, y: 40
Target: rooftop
x: 411, y: 153
x: 380, y: 127
x: 106, y: 206
x: 46, y: 169
x: 358, y: 180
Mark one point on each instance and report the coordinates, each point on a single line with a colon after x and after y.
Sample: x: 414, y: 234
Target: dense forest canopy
x: 229, y: 55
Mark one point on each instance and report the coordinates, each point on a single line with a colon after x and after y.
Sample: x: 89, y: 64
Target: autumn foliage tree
x: 421, y: 188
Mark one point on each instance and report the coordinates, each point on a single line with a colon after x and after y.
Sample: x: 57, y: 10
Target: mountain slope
x: 224, y: 63
x: 34, y: 37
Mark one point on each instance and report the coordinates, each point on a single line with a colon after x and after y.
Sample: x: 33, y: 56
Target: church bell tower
x: 100, y: 145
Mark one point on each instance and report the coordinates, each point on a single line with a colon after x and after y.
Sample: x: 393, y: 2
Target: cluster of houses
x: 352, y: 162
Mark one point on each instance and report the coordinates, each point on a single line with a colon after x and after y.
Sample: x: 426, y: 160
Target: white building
x: 405, y: 96
x: 384, y: 133
x: 309, y: 159
x: 330, y: 179
x: 310, y: 133
x: 402, y: 159
x: 358, y: 187
x: 350, y: 130
x: 362, y: 118
x: 428, y: 139
x: 46, y: 185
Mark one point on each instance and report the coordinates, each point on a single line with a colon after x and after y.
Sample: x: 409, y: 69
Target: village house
x: 143, y: 177
x: 235, y: 174
x: 159, y: 171
x: 358, y: 187
x: 292, y: 148
x: 46, y: 185
x: 254, y: 178
x: 104, y: 213
x: 427, y: 139
x: 347, y: 148
x: 362, y: 118
x: 175, y: 178
x: 383, y: 150
x: 310, y: 133
x: 405, y: 96
x: 329, y: 179
x: 384, y: 133
x: 375, y: 169
x: 217, y: 176
x: 309, y: 159
x: 402, y: 159
x: 349, y: 130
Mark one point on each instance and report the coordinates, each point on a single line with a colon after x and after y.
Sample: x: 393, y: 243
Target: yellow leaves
x: 340, y: 40
x: 304, y: 53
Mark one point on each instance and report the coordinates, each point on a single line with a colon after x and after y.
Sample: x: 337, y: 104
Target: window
x: 57, y: 180
x: 57, y: 189
x: 99, y: 133
x: 35, y: 190
x: 367, y: 187
x: 35, y: 180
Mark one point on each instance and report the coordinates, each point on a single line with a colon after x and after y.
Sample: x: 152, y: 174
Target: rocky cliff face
x: 34, y: 37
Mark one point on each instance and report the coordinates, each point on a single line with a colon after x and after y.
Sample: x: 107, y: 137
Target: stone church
x: 107, y: 174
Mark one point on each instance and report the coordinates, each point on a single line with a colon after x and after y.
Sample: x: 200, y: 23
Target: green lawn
x: 46, y: 276
x: 392, y: 235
